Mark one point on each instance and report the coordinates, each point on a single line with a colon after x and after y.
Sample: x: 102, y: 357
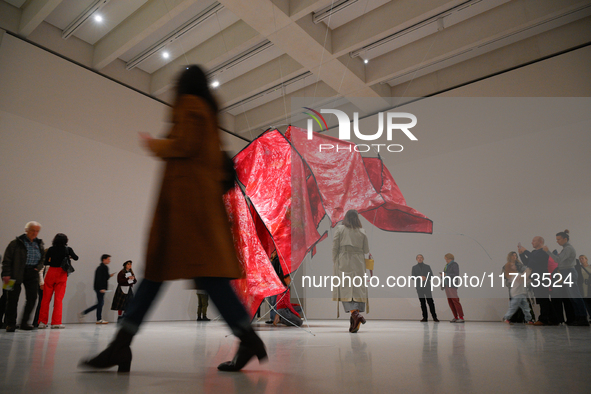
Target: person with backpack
x: 55, y: 281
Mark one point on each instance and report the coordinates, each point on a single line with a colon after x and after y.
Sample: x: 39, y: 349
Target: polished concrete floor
x: 385, y: 356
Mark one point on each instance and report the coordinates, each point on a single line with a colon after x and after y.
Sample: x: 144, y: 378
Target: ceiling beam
x: 263, y: 77
x: 307, y: 43
x: 508, y: 57
x: 509, y: 18
x: 139, y: 25
x: 250, y: 123
x: 219, y: 48
x: 385, y: 20
x: 299, y: 8
x: 35, y: 12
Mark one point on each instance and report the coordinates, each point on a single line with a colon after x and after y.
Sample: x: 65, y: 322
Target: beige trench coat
x: 190, y: 235
x: 349, y: 247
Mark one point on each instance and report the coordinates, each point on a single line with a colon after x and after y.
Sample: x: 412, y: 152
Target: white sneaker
x: 81, y: 317
x: 102, y: 322
x: 42, y: 326
x: 54, y: 326
x: 459, y: 320
x: 453, y: 320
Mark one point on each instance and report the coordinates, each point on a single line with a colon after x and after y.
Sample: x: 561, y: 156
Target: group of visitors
x: 558, y: 281
x: 44, y: 275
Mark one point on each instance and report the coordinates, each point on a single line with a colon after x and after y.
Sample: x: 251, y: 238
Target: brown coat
x: 190, y: 235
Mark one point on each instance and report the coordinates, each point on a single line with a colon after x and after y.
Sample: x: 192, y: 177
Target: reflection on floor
x: 385, y: 356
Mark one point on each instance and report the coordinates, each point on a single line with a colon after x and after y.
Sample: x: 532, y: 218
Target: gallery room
x: 295, y: 195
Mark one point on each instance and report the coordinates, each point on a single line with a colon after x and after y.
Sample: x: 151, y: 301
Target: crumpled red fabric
x: 292, y: 186
x: 274, y: 179
x: 394, y: 215
x: 261, y: 280
x: 339, y: 173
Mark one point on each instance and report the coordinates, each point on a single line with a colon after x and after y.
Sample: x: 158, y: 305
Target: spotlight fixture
x: 165, y: 55
x: 98, y: 18
x: 366, y: 61
x: 215, y: 84
x: 83, y: 17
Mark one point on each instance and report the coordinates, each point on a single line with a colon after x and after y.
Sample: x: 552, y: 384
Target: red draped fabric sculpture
x: 291, y: 186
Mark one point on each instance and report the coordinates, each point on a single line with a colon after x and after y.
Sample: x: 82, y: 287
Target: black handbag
x: 67, y: 264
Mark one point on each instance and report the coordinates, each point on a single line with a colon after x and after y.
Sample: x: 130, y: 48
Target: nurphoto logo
x: 345, y: 129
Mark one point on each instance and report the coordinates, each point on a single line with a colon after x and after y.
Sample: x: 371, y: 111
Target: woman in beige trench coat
x: 190, y: 236
x: 349, y: 247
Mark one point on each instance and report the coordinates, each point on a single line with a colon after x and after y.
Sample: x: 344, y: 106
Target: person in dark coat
x: 101, y: 279
x: 190, y: 226
x: 423, y: 271
x: 537, y: 261
x: 23, y: 259
x: 124, y: 293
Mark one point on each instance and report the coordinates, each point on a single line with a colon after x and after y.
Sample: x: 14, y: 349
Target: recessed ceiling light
x: 165, y: 55
x: 98, y: 18
x: 215, y: 84
x: 366, y: 61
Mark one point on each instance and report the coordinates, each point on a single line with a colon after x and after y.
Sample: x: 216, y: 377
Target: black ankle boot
x: 250, y: 345
x: 117, y: 353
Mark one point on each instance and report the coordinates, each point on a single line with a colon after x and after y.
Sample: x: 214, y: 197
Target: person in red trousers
x: 55, y: 281
x: 451, y: 270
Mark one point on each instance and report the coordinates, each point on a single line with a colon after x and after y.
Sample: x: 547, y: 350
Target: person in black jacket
x: 537, y: 261
x: 22, y: 262
x: 423, y: 285
x: 101, y: 278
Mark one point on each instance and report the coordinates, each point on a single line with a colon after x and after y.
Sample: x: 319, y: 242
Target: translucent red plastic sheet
x: 291, y: 186
x: 261, y: 280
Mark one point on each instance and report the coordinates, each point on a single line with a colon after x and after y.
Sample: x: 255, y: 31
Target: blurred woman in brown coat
x: 190, y: 236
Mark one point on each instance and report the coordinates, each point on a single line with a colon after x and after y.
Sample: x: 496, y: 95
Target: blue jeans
x: 100, y: 301
x: 272, y: 304
x: 219, y: 289
x: 519, y: 301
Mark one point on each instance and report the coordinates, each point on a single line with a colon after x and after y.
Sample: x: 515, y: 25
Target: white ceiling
x: 113, y: 13
x: 353, y: 11
x: 405, y: 42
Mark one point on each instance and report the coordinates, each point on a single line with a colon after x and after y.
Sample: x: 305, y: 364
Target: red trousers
x: 55, y: 282
x: 452, y: 300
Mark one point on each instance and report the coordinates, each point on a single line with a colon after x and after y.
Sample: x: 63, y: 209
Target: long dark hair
x: 194, y: 82
x: 60, y: 240
x: 352, y: 219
